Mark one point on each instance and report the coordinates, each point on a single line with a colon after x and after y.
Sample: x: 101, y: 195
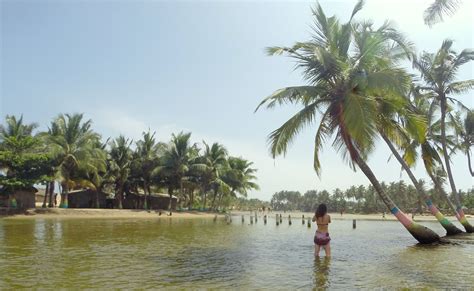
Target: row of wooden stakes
x: 278, y: 219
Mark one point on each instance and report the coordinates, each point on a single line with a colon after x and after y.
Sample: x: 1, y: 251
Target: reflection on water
x: 163, y: 253
x: 322, y: 265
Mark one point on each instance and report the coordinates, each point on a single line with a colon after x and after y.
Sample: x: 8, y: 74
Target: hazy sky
x: 194, y: 66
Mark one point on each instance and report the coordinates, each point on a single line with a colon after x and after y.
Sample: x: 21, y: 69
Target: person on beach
x: 321, y: 238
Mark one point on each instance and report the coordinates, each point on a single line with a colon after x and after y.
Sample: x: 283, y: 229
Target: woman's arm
x: 329, y: 218
x: 314, y: 218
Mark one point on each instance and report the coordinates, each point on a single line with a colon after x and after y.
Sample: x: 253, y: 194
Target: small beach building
x: 155, y: 201
x: 86, y: 198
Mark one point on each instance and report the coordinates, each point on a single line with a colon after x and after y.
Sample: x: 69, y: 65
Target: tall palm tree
x: 466, y: 136
x: 120, y: 156
x: 400, y: 125
x: 439, y: 9
x: 347, y: 66
x: 215, y: 160
x: 438, y: 72
x: 431, y: 148
x: 96, y: 174
x: 72, y: 142
x: 179, y: 158
x: 146, y: 157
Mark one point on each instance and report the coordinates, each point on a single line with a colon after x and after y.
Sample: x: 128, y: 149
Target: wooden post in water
x: 309, y: 223
x: 281, y: 220
x: 265, y: 219
x: 251, y: 219
x: 353, y: 224
x: 243, y: 219
x: 302, y: 219
x: 256, y: 217
x: 289, y: 219
x: 277, y: 221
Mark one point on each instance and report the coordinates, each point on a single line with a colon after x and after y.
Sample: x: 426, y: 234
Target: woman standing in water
x: 321, y: 238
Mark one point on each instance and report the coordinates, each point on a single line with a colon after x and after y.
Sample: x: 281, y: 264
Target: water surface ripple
x: 200, y: 253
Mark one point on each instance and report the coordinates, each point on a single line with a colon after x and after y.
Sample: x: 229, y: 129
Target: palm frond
x: 292, y: 95
x: 282, y: 137
x: 438, y: 10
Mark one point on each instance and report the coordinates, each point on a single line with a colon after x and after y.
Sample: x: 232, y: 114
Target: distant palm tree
x: 215, y: 160
x: 146, y: 158
x: 15, y: 127
x: 72, y: 143
x: 438, y: 9
x: 438, y: 72
x: 120, y: 157
x: 179, y: 158
x: 466, y: 135
x: 240, y: 176
x: 348, y: 67
x: 95, y: 175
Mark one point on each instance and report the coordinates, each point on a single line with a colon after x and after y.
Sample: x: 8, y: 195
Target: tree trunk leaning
x: 469, y: 162
x: 421, y: 233
x: 450, y: 228
x: 459, y: 212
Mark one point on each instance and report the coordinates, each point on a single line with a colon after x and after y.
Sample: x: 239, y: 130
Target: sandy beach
x: 91, y: 213
x: 87, y: 213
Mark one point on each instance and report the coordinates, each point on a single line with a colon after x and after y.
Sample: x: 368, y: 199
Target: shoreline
x: 92, y: 213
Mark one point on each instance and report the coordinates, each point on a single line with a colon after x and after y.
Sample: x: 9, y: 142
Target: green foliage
x: 438, y: 10
x: 21, y: 159
x: 23, y: 170
x: 361, y: 199
x: 348, y: 68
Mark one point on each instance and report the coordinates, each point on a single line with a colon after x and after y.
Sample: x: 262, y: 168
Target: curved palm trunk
x: 450, y: 228
x: 46, y: 192
x: 421, y: 233
x: 191, y: 198
x: 145, y: 202
x: 170, y: 205
x: 51, y: 193
x: 459, y: 212
x: 469, y: 162
x: 204, y: 202
x: 440, y: 190
x: 64, y: 202
x: 219, y: 203
x: 119, y: 198
x: 214, y: 199
x: 97, y: 200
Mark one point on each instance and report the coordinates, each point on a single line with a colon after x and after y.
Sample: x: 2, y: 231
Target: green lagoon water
x: 200, y: 253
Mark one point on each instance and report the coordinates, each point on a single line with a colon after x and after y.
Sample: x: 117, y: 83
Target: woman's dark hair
x: 322, y: 210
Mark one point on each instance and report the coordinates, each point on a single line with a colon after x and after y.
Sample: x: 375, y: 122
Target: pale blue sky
x: 196, y: 66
